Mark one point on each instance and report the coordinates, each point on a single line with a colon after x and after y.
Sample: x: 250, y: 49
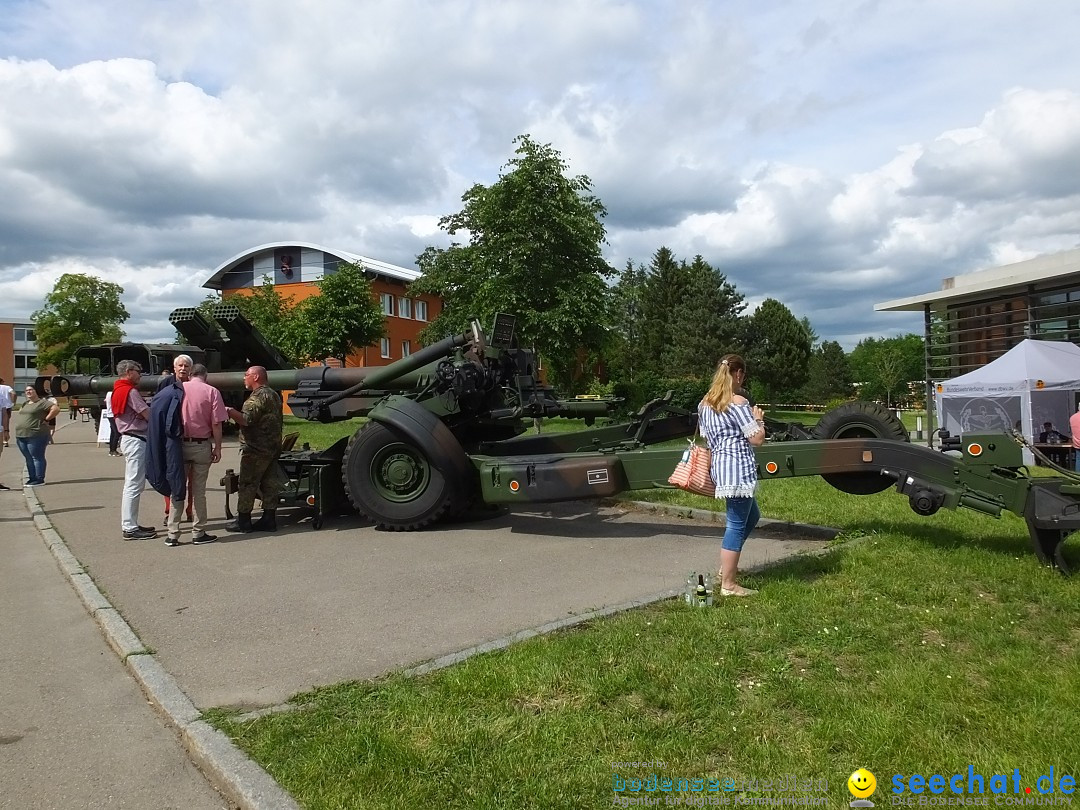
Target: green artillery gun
x: 449, y: 426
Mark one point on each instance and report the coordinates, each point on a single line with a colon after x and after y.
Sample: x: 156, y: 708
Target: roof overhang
x: 373, y: 265
x: 998, y: 281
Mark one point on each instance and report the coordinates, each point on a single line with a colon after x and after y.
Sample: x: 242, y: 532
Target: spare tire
x: 860, y: 420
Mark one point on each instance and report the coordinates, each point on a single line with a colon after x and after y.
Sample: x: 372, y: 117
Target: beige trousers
x: 197, y: 461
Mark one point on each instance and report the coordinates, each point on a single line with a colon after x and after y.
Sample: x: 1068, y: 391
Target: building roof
x: 1009, y: 278
x: 373, y: 265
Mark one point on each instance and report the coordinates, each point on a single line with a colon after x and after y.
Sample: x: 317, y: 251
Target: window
x: 384, y: 347
x: 25, y: 361
x: 21, y: 335
x: 404, y: 308
x: 387, y: 305
x: 420, y: 308
x: 406, y: 348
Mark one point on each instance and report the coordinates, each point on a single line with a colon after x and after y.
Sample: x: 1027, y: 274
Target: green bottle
x: 701, y: 593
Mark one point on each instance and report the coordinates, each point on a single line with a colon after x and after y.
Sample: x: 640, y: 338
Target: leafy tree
x: 624, y: 345
x: 666, y: 286
x: 885, y: 366
x: 344, y: 316
x: 534, y: 250
x: 829, y: 374
x: 81, y: 310
x: 708, y: 324
x: 777, y: 350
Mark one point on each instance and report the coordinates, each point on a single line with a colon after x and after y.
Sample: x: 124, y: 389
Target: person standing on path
x: 4, y: 427
x: 7, y: 402
x: 260, y: 428
x: 203, y: 414
x: 131, y: 413
x: 32, y: 433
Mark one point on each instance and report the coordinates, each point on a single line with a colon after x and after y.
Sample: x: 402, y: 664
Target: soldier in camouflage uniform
x: 260, y: 430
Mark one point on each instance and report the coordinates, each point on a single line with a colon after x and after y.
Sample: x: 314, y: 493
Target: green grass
x: 925, y: 645
x: 320, y: 435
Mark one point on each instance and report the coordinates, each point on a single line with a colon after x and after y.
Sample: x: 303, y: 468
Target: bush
x: 686, y: 391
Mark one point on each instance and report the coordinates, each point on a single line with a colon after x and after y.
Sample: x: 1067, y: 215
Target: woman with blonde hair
x: 732, y: 428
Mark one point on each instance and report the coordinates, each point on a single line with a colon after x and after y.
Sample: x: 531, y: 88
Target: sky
x: 831, y: 155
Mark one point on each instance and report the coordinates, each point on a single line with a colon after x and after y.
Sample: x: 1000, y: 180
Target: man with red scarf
x: 131, y: 412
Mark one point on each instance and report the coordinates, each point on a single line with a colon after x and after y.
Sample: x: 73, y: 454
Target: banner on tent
x: 980, y: 414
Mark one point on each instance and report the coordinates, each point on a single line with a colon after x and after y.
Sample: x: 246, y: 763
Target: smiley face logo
x: 861, y: 783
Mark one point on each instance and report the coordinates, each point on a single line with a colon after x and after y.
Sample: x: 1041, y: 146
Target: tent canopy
x: 1028, y: 366
x: 1033, y: 383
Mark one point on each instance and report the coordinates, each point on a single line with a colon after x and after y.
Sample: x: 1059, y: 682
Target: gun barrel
x: 343, y: 381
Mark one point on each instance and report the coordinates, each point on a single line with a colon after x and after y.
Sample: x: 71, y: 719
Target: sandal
x: 738, y: 590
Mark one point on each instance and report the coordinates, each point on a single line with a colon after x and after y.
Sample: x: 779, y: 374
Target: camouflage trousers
x: 260, y: 477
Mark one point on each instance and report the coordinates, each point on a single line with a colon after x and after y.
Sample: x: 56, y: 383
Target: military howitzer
x: 448, y: 427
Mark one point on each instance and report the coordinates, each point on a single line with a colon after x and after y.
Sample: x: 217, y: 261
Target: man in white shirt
x: 7, y: 400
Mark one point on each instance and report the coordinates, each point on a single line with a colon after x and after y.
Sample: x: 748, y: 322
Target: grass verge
x: 929, y: 645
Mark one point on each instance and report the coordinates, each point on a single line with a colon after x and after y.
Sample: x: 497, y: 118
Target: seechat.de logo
x: 862, y: 785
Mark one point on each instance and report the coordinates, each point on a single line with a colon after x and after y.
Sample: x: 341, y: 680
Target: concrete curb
x: 229, y: 770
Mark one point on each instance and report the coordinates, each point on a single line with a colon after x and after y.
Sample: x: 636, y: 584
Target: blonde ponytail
x: 722, y: 388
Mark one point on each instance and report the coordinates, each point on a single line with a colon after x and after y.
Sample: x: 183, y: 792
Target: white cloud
x: 808, y: 151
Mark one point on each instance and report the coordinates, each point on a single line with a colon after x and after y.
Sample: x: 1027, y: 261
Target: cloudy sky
x: 831, y: 154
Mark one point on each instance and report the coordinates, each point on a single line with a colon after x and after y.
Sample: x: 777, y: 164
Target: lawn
x: 914, y: 645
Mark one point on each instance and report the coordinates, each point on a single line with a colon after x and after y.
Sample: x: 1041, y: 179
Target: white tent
x: 1034, y: 382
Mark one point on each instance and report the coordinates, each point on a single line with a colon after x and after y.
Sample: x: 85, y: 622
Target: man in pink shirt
x: 203, y: 413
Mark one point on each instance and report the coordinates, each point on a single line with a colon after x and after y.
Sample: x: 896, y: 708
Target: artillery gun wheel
x: 860, y: 420
x: 392, y: 481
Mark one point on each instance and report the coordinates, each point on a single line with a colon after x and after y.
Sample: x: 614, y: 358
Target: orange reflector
x: 514, y: 486
x: 310, y: 500
x: 975, y: 449
x: 771, y: 467
x: 867, y: 456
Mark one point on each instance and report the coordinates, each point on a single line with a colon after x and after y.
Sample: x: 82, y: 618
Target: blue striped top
x: 734, y: 467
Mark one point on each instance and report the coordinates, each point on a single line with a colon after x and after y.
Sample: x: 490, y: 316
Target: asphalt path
x: 253, y: 619
x: 75, y: 729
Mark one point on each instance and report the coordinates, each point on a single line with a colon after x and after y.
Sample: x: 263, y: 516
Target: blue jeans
x: 742, y: 517
x: 33, y: 450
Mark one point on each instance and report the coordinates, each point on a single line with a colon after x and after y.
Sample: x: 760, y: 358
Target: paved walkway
x: 253, y: 619
x: 75, y: 730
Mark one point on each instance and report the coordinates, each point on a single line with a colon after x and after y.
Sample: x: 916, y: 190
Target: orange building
x: 18, y: 352
x: 294, y: 267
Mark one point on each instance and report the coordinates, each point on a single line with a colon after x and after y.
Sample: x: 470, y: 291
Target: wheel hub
x: 400, y: 473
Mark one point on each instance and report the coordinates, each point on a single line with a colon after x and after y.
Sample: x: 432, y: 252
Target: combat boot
x: 241, y: 524
x: 267, y: 521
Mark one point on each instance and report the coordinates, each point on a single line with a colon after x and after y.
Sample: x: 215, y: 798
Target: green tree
x: 624, y: 345
x: 777, y: 350
x: 534, y: 250
x: 829, y: 374
x: 81, y: 310
x: 709, y: 322
x: 884, y: 366
x: 666, y: 286
x: 343, y: 317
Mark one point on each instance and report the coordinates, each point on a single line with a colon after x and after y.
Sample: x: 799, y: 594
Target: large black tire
x: 860, y: 420
x: 392, y: 481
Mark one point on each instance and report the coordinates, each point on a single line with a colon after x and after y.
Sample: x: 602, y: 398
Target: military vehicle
x: 449, y: 426
x: 228, y: 342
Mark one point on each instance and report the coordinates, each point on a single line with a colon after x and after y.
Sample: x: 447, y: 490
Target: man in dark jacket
x: 165, y: 449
